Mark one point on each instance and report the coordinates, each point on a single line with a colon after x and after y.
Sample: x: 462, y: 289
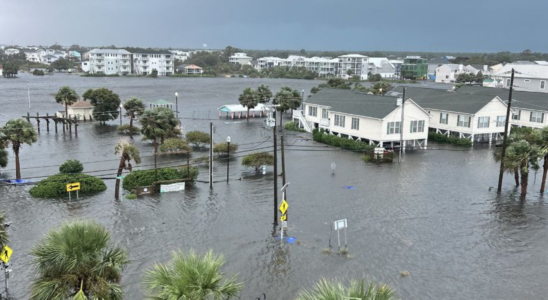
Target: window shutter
x: 458, y: 120
x: 531, y: 117
x: 441, y: 115
x: 469, y: 122
x: 388, y: 128
x: 542, y: 118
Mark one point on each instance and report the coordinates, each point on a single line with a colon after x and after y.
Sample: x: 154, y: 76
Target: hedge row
x: 147, y: 177
x: 442, y: 138
x: 344, y: 143
x: 56, y: 185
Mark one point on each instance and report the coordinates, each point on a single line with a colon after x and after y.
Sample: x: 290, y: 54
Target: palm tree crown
x: 127, y: 153
x: 67, y: 96
x: 331, y: 290
x: 264, y: 93
x: 191, y: 277
x: 17, y: 132
x: 78, y: 256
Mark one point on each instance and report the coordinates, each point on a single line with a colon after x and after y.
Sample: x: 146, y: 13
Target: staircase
x: 298, y: 114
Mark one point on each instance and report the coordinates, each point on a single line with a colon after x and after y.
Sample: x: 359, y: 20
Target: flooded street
x: 433, y: 215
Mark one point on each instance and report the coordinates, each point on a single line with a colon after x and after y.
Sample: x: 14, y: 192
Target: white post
x: 282, y: 233
x: 70, y: 197
x: 345, y: 238
x: 338, y: 238
x: 76, y: 194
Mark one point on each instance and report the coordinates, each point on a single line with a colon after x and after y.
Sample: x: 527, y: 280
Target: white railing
x: 299, y: 115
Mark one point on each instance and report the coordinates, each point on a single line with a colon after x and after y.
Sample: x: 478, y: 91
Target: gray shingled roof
x: 520, y: 99
x: 444, y: 100
x: 353, y: 102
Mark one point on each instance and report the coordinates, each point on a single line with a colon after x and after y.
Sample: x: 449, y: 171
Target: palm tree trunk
x: 281, y: 117
x: 17, y: 165
x: 131, y: 126
x: 544, y: 173
x: 155, y: 146
x: 120, y: 169
x: 524, y: 179
x: 516, y: 176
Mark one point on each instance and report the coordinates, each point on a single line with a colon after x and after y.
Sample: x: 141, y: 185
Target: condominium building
x: 144, y: 63
x: 353, y: 65
x: 240, y: 58
x: 110, y: 61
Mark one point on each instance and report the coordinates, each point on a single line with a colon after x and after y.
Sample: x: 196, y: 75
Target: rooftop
x: 81, y: 104
x: 110, y: 51
x: 520, y: 99
x: 524, y: 71
x: 192, y: 67
x: 160, y: 102
x: 353, y: 55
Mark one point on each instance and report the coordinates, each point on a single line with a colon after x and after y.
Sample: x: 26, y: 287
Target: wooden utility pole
x: 275, y: 173
x: 210, y: 155
x: 401, y: 125
x: 505, y: 137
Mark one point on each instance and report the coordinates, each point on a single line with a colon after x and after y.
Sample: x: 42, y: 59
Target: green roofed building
x: 414, y: 67
x: 160, y: 103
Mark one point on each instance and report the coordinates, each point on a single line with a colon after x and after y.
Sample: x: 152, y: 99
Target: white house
x: 480, y: 117
x: 240, y: 58
x: 144, y: 63
x: 110, y: 61
x: 1, y: 71
x: 193, y: 70
x: 527, y: 77
x: 33, y: 56
x: 11, y: 51
x: 48, y: 59
x: 382, y: 66
x: 85, y: 65
x: 448, y: 73
x: 361, y: 116
x: 356, y: 64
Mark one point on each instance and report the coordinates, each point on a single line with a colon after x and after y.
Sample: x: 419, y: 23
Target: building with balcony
x: 180, y: 55
x: 240, y: 58
x: 110, y: 61
x: 414, y: 67
x: 353, y: 65
x: 144, y: 63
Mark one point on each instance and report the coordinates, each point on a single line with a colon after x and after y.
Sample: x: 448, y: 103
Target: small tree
x: 222, y: 148
x: 349, y: 72
x: 154, y: 73
x: 67, y: 96
x: 287, y: 98
x: 249, y: 99
x: 10, y: 70
x: 71, y: 166
x: 106, y: 104
x: 264, y: 93
x: 174, y: 145
x: 198, y: 138
x: 380, y: 88
x: 3, y: 153
x: 256, y: 160
x: 134, y: 107
x: 17, y: 132
x: 61, y: 64
x: 479, y: 77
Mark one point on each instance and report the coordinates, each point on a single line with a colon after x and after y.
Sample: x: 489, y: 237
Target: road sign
x: 144, y: 190
x: 340, y: 224
x: 283, y: 217
x: 73, y: 187
x: 174, y: 187
x: 6, y: 254
x: 284, y: 206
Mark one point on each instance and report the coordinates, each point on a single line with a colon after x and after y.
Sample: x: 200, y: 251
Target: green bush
x: 146, y: 177
x: 37, y: 72
x: 56, y: 185
x: 125, y: 129
x: 197, y: 138
x: 344, y: 143
x: 366, y: 158
x: 294, y: 126
x: 131, y: 196
x: 222, y: 148
x: 174, y: 145
x: 256, y: 160
x: 442, y: 138
x: 71, y: 166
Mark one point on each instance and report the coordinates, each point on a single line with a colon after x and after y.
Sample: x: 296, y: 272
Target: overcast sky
x: 367, y: 25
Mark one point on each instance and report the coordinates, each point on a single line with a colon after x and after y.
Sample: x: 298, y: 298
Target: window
x: 542, y: 84
x: 312, y: 111
x: 463, y: 121
x: 483, y: 122
x: 507, y: 82
x: 537, y: 117
x: 339, y: 120
x: 325, y: 113
x: 444, y: 118
x: 393, y: 128
x: 501, y: 120
x: 356, y: 123
x: 516, y: 117
x: 417, y: 126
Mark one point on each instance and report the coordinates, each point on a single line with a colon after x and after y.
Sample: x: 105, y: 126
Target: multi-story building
x: 110, y: 61
x: 240, y: 58
x: 527, y: 77
x: 269, y: 62
x: 180, y: 55
x: 448, y: 73
x: 324, y: 66
x: 144, y: 63
x: 33, y: 56
x: 353, y: 65
x: 11, y: 51
x: 414, y: 67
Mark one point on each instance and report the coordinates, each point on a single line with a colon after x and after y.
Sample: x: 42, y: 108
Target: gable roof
x: 520, y: 99
x: 438, y: 61
x: 111, y: 51
x: 192, y: 67
x: 524, y: 71
x: 354, y: 102
x: 81, y: 104
x: 160, y: 102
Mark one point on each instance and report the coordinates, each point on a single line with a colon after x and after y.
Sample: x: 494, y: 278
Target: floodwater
x: 433, y: 215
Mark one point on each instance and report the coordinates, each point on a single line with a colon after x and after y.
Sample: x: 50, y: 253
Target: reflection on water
x: 432, y: 215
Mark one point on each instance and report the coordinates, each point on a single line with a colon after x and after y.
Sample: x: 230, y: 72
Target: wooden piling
x: 28, y: 117
x: 47, y: 122
x: 38, y: 122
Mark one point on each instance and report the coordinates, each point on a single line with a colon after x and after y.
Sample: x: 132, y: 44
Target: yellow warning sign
x: 73, y: 187
x: 283, y: 207
x: 283, y: 217
x: 6, y: 254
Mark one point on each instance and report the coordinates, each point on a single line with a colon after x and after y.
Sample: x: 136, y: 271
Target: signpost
x: 283, y: 209
x: 338, y: 225
x: 174, y: 187
x: 73, y: 187
x: 6, y: 254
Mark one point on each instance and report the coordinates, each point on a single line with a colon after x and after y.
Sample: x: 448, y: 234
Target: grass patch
x: 131, y: 196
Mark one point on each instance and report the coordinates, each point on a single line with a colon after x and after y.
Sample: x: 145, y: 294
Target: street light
x: 177, y: 104
x: 228, y: 157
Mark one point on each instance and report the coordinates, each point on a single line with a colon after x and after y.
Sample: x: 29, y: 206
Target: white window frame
x: 501, y: 121
x: 463, y: 121
x: 325, y: 113
x: 517, y: 116
x: 339, y: 120
x: 483, y: 122
x: 393, y: 128
x: 444, y: 120
x: 312, y: 111
x: 417, y: 126
x: 355, y: 124
x: 536, y: 117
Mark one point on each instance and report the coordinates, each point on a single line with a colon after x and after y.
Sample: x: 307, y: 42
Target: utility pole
x: 505, y: 137
x: 227, y: 157
x: 401, y: 126
x: 177, y: 105
x: 283, y: 160
x: 210, y: 155
x: 120, y: 115
x: 275, y: 172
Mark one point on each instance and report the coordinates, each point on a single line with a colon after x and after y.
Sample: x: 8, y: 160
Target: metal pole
x: 275, y: 173
x: 76, y: 194
x: 177, y: 106
x: 505, y: 137
x: 401, y: 127
x: 339, y: 238
x: 70, y: 199
x: 210, y: 155
x: 120, y: 116
x: 6, y: 277
x: 283, y: 160
x: 227, y: 160
x: 155, y: 168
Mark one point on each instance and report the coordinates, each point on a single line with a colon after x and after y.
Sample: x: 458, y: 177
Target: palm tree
x: 17, y: 132
x: 127, y: 153
x: 331, y: 290
x: 153, y: 126
x: 543, y: 142
x: 3, y: 155
x: 287, y: 98
x: 67, y: 96
x: 522, y: 155
x: 171, y: 122
x: 249, y: 99
x: 191, y: 277
x: 264, y: 93
x: 4, y: 239
x: 78, y: 256
x: 134, y: 107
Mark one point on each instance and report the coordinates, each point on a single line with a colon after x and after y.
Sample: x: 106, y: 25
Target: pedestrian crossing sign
x: 5, y: 254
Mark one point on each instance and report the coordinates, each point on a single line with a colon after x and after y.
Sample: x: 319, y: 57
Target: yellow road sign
x: 6, y: 254
x: 283, y: 217
x: 73, y: 187
x: 284, y: 206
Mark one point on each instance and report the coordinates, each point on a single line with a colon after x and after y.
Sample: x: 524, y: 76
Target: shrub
x: 154, y: 73
x: 199, y: 160
x: 71, y: 166
x: 344, y: 143
x: 146, y: 177
x: 38, y: 72
x: 197, y: 138
x: 366, y: 158
x: 222, y: 148
x: 55, y: 186
x: 256, y: 160
x: 442, y: 138
x: 125, y: 129
x: 294, y: 126
x: 174, y: 145
x: 131, y: 196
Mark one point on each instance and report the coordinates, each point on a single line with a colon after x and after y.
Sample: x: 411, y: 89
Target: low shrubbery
x: 198, y: 138
x: 294, y: 126
x: 257, y: 160
x: 222, y: 148
x: 344, y: 143
x: 71, y: 166
x: 147, y: 177
x: 174, y: 145
x: 55, y: 186
x: 125, y: 129
x: 37, y: 72
x: 442, y: 138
